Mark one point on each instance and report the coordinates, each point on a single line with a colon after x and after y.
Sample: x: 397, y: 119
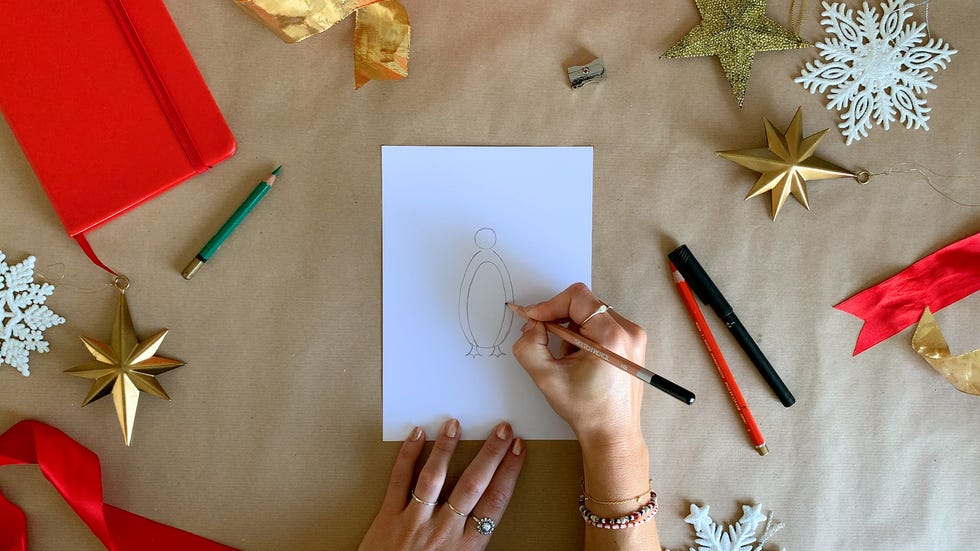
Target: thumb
x: 531, y: 350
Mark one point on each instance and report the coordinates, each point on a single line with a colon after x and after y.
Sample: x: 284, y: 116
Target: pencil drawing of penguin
x: 486, y: 286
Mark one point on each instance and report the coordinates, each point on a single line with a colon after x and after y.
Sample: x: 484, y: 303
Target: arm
x: 602, y: 406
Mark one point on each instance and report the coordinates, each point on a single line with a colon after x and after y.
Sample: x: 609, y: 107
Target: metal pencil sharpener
x: 580, y: 75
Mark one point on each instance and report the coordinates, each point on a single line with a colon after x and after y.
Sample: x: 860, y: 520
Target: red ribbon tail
x: 90, y: 253
x: 885, y: 313
x: 13, y: 530
x: 936, y: 281
x: 135, y: 533
x: 75, y: 472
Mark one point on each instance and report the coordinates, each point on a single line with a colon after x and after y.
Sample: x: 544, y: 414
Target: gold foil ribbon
x: 382, y: 33
x: 962, y: 371
x: 382, y: 36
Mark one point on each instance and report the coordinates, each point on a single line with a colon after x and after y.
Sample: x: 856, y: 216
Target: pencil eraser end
x: 762, y: 449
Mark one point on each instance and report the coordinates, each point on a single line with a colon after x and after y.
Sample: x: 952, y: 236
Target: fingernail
x: 450, y: 428
x: 503, y: 431
x: 517, y: 447
x: 416, y: 434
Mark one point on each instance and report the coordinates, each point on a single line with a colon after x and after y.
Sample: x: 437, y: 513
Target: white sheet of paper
x: 464, y: 230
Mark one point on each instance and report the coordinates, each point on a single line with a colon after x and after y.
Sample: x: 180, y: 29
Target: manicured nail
x: 416, y: 434
x: 503, y: 431
x: 450, y: 428
x: 517, y: 447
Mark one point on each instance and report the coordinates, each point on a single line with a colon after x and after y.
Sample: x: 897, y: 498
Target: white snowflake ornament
x: 875, y: 67
x: 740, y: 537
x: 23, y: 315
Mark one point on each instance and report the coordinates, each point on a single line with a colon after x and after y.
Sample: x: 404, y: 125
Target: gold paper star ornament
x: 125, y: 367
x: 787, y: 163
x: 734, y: 30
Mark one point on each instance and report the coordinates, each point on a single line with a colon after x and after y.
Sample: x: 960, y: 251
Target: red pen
x: 726, y: 374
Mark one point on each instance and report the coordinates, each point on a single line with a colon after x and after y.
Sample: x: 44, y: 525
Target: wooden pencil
x: 612, y: 358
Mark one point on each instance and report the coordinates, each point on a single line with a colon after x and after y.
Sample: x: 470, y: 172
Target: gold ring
x: 600, y: 310
x: 455, y: 510
x: 422, y: 501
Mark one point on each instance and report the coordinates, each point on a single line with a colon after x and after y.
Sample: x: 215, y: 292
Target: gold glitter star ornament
x: 125, y: 367
x: 787, y: 163
x: 734, y: 30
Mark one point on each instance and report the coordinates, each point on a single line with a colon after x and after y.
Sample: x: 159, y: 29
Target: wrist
x: 606, y: 442
x: 614, y: 471
x: 626, y: 458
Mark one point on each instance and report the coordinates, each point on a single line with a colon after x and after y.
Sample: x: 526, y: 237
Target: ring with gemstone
x: 484, y: 525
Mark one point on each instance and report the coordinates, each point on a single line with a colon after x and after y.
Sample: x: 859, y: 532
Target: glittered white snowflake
x: 23, y: 315
x: 875, y: 67
x: 740, y: 537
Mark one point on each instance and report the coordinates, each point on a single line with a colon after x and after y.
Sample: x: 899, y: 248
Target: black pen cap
x: 698, y: 280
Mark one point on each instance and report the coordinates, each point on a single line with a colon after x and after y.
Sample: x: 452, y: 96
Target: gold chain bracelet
x: 634, y: 499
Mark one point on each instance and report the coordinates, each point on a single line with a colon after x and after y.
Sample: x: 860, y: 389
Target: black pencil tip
x: 276, y: 171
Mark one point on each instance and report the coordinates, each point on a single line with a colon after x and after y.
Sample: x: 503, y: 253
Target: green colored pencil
x: 229, y: 226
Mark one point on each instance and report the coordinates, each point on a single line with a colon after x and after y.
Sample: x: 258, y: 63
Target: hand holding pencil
x: 595, y: 399
x: 599, y: 402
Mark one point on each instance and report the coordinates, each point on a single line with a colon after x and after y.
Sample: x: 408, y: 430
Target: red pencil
x: 726, y: 374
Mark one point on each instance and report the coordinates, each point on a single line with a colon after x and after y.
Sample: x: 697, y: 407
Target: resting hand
x: 421, y: 521
x: 599, y: 402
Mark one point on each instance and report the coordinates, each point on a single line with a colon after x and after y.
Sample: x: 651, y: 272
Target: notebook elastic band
x: 156, y: 83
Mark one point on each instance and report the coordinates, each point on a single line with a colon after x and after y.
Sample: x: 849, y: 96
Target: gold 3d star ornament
x: 125, y: 367
x: 788, y: 163
x: 734, y: 30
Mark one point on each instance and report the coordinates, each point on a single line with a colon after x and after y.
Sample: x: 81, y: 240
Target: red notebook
x: 107, y: 104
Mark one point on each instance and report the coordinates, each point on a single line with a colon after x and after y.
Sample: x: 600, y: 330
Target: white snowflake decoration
x: 23, y: 315
x: 875, y: 67
x: 740, y: 537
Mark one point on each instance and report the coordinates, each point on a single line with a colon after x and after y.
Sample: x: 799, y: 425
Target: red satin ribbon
x: 90, y: 253
x: 938, y: 280
x: 75, y: 472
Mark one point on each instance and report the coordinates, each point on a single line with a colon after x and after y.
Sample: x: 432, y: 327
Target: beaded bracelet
x: 634, y: 499
x: 636, y: 518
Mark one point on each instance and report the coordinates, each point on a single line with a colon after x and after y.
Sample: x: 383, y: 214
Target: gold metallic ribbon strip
x: 382, y: 33
x: 962, y: 371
